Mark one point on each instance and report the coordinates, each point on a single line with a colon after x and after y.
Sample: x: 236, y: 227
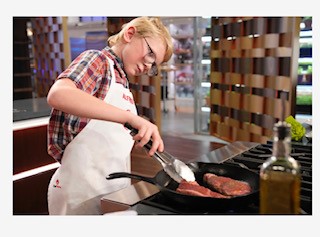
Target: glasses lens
x: 153, y: 70
x: 150, y: 59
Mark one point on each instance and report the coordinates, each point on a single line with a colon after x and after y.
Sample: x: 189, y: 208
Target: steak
x: 226, y: 186
x: 194, y: 189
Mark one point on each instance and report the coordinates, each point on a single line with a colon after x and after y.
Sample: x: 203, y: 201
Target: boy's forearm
x: 69, y: 99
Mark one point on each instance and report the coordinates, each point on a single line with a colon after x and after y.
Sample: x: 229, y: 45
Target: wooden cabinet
x: 29, y: 153
x: 22, y: 61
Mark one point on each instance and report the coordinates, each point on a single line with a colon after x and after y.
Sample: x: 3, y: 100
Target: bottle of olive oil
x: 280, y: 177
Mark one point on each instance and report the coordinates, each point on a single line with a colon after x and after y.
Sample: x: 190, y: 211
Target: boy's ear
x: 129, y: 33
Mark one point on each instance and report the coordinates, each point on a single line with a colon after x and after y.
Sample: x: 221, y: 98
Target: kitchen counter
x: 26, y: 109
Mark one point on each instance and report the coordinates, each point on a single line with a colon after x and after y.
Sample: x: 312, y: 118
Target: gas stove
x: 254, y: 158
x: 146, y: 199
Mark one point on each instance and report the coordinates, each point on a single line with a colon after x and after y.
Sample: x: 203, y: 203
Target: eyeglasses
x: 150, y: 58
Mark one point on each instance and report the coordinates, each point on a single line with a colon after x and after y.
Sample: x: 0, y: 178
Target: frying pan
x: 168, y: 186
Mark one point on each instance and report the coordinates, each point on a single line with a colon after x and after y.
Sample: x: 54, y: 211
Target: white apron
x: 99, y: 149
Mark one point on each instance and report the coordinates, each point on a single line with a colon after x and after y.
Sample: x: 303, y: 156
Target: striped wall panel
x: 51, y: 50
x: 147, y: 93
x: 254, y: 62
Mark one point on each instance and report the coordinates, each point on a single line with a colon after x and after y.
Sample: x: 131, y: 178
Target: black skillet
x: 168, y: 186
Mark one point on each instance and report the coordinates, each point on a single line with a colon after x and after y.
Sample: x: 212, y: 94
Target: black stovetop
x: 159, y: 204
x: 253, y: 158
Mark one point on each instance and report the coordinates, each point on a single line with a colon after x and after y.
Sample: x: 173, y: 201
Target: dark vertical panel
x: 285, y: 65
x: 271, y: 66
x: 259, y: 26
x: 273, y: 25
x: 30, y: 149
x: 236, y: 65
x: 236, y: 29
x: 257, y: 65
x: 114, y: 24
x: 245, y: 65
x: 22, y: 73
x: 30, y: 194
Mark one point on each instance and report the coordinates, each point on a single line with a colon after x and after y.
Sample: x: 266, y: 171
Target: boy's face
x: 134, y: 54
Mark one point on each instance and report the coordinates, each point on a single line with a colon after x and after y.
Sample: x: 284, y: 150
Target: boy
x: 91, y: 101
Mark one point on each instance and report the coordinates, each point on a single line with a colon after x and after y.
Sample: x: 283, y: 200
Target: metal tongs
x: 174, y: 167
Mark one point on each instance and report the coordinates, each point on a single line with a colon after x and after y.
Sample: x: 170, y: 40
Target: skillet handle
x: 129, y: 175
x: 134, y: 131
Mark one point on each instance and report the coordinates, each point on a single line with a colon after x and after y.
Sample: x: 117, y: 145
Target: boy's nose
x: 147, y: 67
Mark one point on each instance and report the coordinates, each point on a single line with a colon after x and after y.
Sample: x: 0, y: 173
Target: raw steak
x: 194, y: 189
x: 226, y: 186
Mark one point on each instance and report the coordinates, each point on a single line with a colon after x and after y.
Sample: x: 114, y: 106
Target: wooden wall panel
x: 253, y: 61
x: 22, y: 60
x: 51, y: 50
x: 147, y: 94
x: 114, y: 24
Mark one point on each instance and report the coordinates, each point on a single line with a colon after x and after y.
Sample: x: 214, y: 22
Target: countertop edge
x: 30, y: 123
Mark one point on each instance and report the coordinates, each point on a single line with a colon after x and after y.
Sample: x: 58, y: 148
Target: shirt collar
x: 115, y: 57
x: 118, y: 64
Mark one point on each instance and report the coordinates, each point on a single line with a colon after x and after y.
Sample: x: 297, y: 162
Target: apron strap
x: 111, y: 65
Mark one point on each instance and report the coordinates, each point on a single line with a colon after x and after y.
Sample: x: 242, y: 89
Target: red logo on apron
x: 57, y: 184
x: 127, y: 98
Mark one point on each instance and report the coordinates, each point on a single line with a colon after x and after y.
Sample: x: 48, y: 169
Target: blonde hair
x: 147, y: 26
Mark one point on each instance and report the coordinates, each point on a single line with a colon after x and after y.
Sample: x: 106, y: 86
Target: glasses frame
x: 153, y: 71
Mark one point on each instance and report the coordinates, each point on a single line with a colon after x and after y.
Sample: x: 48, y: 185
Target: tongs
x: 174, y: 167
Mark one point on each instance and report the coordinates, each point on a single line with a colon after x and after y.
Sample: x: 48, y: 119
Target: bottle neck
x: 281, y: 147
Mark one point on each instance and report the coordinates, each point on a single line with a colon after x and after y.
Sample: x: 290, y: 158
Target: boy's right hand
x: 147, y: 131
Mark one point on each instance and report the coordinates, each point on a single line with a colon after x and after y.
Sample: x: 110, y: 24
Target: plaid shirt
x: 91, y: 73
